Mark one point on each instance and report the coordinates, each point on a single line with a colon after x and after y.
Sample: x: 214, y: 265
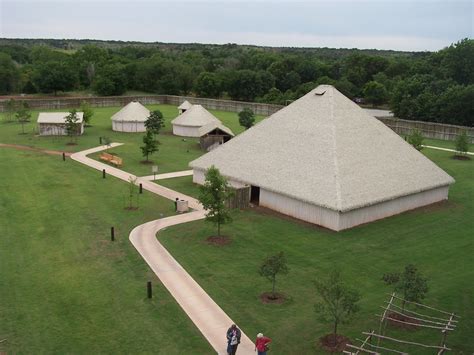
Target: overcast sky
x: 381, y: 24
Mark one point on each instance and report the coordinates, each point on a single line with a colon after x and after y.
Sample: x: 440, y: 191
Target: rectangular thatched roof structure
x: 57, y: 117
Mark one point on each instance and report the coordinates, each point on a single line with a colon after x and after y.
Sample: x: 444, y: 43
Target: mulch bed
x: 131, y: 208
x: 461, y: 157
x: 333, y: 343
x: 146, y: 162
x: 268, y: 297
x: 218, y: 240
x: 403, y: 318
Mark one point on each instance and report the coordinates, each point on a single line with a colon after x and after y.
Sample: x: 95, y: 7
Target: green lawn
x: 174, y: 152
x: 439, y: 240
x: 182, y: 184
x: 64, y: 287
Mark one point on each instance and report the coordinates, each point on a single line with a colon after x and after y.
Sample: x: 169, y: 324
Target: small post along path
x: 208, y: 317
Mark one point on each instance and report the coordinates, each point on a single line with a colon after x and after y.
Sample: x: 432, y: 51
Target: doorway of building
x: 255, y: 195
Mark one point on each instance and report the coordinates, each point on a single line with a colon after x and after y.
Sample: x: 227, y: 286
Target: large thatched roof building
x: 324, y: 160
x: 54, y: 123
x: 131, y: 118
x: 188, y: 123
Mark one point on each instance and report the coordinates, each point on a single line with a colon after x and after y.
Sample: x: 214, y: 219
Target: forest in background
x: 425, y: 86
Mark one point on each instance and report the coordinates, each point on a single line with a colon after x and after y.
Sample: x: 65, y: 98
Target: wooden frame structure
x: 442, y: 321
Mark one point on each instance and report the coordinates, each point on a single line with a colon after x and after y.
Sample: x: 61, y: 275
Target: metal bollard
x: 112, y: 234
x: 103, y: 173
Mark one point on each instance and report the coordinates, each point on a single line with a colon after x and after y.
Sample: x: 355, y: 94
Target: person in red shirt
x: 261, y: 344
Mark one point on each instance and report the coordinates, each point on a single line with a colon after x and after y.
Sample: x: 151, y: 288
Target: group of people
x: 233, y: 341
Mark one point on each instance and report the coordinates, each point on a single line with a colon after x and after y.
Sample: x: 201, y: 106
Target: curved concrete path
x: 444, y: 149
x: 208, y: 317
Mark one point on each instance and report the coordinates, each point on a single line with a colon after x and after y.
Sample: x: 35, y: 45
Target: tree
x: 410, y: 282
x: 213, y: 196
x: 375, y: 93
x: 416, y: 139
x: 71, y: 125
x: 462, y: 143
x: 150, y: 145
x: 54, y: 76
x: 9, y: 74
x: 208, y: 85
x: 107, y: 142
x: 246, y: 118
x: 132, y: 192
x: 338, y: 302
x: 11, y: 107
x: 271, y: 267
x: 88, y: 112
x: 155, y: 122
x: 23, y: 115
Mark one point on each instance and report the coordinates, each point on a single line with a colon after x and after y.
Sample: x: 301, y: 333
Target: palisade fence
x: 428, y: 129
x: 402, y: 127
x: 107, y: 101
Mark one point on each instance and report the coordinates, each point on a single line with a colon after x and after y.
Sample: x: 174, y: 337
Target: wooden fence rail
x: 401, y: 127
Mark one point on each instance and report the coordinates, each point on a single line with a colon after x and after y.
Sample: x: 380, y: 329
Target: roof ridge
x: 336, y: 165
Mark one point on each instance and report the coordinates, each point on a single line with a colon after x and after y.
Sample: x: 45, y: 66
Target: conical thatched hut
x: 131, y: 118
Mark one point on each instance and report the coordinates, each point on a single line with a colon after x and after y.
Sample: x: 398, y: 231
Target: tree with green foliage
x: 155, y: 122
x: 132, y: 192
x: 462, y: 143
x: 338, y: 303
x: 375, y: 93
x: 54, y: 76
x: 271, y: 267
x: 87, y: 111
x: 10, y: 109
x: 416, y: 139
x: 213, y: 196
x: 9, y: 74
x: 208, y: 85
x: 107, y: 142
x: 410, y: 283
x: 71, y: 125
x: 23, y: 115
x: 246, y: 118
x: 110, y: 80
x: 149, y: 146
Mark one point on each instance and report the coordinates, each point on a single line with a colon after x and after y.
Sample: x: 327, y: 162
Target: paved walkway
x: 167, y: 175
x: 445, y: 149
x: 209, y: 318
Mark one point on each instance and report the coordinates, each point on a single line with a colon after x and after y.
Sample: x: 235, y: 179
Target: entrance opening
x: 255, y: 195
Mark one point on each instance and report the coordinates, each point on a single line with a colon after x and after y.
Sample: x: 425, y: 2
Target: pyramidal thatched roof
x: 186, y: 105
x: 196, y: 116
x: 132, y: 112
x: 326, y: 150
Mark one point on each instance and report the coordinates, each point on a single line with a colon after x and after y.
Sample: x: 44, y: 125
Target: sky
x: 381, y: 24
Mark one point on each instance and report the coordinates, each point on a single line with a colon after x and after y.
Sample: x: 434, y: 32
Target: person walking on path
x: 261, y: 344
x: 233, y: 339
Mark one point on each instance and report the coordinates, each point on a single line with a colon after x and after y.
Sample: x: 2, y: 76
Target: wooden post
x: 141, y: 188
x: 64, y: 156
x: 149, y: 289
x: 103, y: 173
x: 100, y: 140
x: 112, y: 234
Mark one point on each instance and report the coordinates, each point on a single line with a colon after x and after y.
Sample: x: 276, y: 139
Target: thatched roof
x: 186, y: 105
x: 132, y: 112
x: 212, y: 126
x: 324, y: 149
x: 196, y: 116
x: 57, y: 117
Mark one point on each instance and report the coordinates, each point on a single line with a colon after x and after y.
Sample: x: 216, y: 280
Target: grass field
x: 174, y: 152
x: 437, y: 239
x: 69, y: 290
x: 64, y: 287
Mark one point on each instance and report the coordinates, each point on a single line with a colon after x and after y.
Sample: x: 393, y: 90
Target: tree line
x: 427, y: 86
